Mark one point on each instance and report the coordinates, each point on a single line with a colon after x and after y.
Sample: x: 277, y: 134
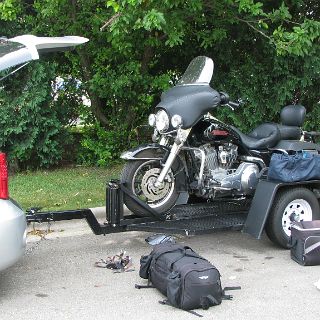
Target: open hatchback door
x: 22, y: 49
x: 16, y: 52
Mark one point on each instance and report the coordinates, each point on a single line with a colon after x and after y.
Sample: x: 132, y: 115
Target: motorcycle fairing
x: 190, y: 102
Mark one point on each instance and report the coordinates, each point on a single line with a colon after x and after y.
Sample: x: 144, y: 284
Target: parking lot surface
x: 57, y: 279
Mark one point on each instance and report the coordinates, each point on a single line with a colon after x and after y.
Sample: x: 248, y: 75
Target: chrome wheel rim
x: 296, y: 210
x: 143, y: 184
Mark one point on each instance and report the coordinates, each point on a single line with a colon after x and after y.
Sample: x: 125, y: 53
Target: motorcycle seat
x: 266, y: 135
x: 289, y: 132
x: 292, y: 118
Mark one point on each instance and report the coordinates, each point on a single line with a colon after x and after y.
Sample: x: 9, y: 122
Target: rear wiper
x: 14, y: 71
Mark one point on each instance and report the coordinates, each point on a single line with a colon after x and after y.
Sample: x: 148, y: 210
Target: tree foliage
x: 266, y: 52
x: 31, y: 123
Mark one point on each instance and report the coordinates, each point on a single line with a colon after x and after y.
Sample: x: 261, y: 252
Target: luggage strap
x: 227, y: 296
x: 208, y: 301
x: 292, y: 242
x: 166, y: 302
x: 140, y: 286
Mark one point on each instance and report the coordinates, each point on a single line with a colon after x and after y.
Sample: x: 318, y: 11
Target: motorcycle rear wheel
x: 139, y: 176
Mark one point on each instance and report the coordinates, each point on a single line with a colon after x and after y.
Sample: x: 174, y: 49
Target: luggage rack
x: 189, y: 219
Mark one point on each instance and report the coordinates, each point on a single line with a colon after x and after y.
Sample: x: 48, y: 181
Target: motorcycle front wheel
x: 139, y: 177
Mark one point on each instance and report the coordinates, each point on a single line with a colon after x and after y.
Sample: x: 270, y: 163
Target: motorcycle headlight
x: 152, y: 120
x: 176, y: 121
x: 162, y: 121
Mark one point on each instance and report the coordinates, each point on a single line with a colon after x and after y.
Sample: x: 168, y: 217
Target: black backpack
x: 188, y: 280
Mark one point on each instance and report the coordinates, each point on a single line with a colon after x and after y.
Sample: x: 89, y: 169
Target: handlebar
x: 225, y: 100
x: 312, y: 133
x: 234, y: 105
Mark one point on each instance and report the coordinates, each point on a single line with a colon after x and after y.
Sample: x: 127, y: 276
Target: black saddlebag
x: 302, y: 166
x: 188, y: 280
x: 305, y: 242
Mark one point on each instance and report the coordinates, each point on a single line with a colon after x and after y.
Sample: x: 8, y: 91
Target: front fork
x: 181, y: 138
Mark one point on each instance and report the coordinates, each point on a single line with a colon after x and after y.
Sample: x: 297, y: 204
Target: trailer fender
x: 262, y: 203
x: 155, y: 151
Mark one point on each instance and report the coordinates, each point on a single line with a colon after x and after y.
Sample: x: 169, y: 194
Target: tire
x: 298, y: 204
x: 161, y: 199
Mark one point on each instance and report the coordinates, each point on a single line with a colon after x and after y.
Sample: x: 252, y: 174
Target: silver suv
x: 17, y: 52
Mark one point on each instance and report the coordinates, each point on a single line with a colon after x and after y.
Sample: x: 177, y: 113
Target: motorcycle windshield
x: 199, y: 71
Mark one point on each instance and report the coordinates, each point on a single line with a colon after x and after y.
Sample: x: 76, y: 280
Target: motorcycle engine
x: 222, y: 171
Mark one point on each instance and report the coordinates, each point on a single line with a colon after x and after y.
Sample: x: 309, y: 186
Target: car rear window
x: 8, y: 46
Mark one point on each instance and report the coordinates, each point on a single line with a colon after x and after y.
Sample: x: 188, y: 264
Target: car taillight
x: 4, y: 191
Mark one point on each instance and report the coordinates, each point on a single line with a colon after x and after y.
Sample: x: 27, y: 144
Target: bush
x: 100, y: 146
x: 32, y: 126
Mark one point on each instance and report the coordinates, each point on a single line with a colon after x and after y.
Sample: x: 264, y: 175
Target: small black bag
x: 305, y: 242
x: 188, y: 280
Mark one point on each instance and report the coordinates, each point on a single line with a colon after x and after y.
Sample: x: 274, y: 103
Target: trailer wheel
x: 139, y: 176
x: 298, y: 204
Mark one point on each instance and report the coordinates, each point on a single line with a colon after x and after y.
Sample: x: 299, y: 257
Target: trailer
x: 188, y: 219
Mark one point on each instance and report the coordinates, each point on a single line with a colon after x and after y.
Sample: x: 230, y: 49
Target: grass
x: 62, y: 189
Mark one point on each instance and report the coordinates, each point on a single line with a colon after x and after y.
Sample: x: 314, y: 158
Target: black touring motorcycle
x: 196, y: 156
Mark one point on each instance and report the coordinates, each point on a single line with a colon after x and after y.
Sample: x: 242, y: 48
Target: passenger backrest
x: 293, y: 115
x: 292, y: 118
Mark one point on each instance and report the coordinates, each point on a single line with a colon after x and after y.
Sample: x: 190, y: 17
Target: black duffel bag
x: 188, y: 280
x: 301, y: 166
x: 305, y: 242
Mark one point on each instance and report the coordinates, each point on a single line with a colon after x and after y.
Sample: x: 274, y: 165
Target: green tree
x: 266, y: 52
x: 32, y: 131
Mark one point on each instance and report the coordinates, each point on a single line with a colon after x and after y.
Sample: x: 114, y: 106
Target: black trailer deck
x: 189, y: 219
x: 195, y: 219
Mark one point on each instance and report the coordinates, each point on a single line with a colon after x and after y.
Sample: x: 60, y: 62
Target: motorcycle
x: 194, y: 155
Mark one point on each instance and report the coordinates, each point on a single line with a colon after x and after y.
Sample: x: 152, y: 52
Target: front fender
x: 155, y: 151
x: 151, y: 151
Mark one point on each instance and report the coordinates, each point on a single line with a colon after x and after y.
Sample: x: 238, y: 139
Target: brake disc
x: 149, y: 190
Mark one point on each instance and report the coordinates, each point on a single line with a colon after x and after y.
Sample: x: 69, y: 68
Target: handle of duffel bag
x: 187, y: 254
x: 165, y: 249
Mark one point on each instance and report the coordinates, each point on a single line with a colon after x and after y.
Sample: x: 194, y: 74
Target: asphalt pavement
x: 57, y: 279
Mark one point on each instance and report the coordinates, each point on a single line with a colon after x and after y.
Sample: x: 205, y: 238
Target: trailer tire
x: 298, y: 204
